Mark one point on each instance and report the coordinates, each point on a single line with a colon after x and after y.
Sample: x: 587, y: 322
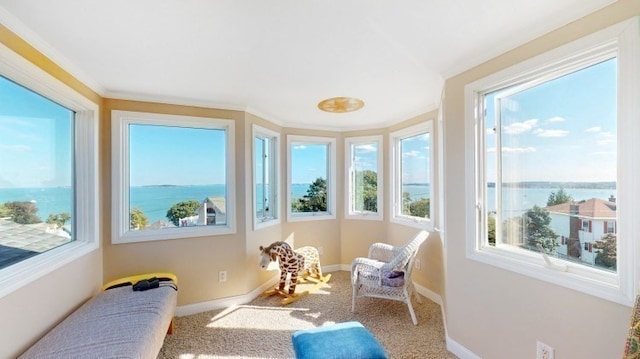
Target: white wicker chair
x: 370, y: 276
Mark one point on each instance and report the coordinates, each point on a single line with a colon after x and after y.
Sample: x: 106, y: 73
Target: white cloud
x: 15, y: 148
x: 606, y: 138
x: 520, y: 127
x: 413, y: 153
x: 299, y: 147
x: 556, y: 119
x: 550, y: 133
x: 518, y: 149
x: 366, y: 148
x: 593, y: 129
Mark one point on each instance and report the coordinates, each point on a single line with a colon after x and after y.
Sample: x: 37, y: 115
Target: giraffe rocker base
x: 301, y: 265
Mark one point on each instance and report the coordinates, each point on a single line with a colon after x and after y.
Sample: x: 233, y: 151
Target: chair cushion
x: 393, y: 278
x: 342, y: 340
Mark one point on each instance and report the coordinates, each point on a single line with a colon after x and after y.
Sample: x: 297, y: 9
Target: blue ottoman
x: 337, y: 341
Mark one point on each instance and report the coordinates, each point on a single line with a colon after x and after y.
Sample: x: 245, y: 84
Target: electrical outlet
x: 544, y: 351
x: 418, y: 264
x: 222, y: 276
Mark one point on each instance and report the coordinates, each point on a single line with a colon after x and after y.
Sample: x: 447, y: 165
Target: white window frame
x: 120, y: 121
x: 349, y: 211
x: 87, y: 200
x: 274, y: 177
x: 395, y: 139
x: 623, y: 41
x: 330, y: 142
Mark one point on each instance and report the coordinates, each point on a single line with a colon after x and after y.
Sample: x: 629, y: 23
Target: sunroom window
x: 265, y: 177
x: 48, y: 173
x: 364, y: 177
x: 311, y: 178
x: 172, y: 175
x: 553, y: 139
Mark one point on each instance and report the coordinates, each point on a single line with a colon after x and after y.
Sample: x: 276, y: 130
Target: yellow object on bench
x: 131, y: 280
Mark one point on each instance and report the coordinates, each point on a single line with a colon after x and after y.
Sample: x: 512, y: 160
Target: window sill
x: 313, y: 216
x: 583, y: 279
x: 413, y: 222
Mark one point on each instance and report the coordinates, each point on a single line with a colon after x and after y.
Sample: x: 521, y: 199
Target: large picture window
x: 48, y: 181
x: 364, y: 177
x: 173, y: 176
x: 553, y: 175
x: 412, y: 180
x: 311, y: 174
x: 266, y: 169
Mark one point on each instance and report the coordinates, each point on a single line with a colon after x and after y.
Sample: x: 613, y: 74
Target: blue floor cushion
x: 349, y: 340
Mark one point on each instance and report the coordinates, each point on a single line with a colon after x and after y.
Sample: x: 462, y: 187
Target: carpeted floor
x: 263, y: 328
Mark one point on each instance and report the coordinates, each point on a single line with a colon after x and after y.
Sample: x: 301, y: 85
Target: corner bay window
x: 552, y: 166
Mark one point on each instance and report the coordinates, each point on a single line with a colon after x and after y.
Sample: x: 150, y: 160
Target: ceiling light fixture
x: 341, y: 104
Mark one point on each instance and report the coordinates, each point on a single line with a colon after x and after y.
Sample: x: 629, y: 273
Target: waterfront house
x: 580, y: 224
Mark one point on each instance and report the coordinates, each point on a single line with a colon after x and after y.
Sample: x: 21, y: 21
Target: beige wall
x: 496, y: 313
x: 30, y: 311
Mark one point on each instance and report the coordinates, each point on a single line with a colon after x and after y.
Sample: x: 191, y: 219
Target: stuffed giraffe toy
x: 298, y: 264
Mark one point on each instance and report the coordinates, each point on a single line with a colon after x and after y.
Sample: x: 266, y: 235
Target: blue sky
x: 35, y: 139
x: 562, y: 130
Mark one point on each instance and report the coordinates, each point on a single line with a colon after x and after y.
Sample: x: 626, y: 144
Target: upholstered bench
x: 337, y: 341
x: 122, y: 321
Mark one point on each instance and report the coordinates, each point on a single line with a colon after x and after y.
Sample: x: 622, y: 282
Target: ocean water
x: 154, y: 201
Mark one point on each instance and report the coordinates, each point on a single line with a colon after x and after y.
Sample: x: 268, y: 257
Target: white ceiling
x: 278, y: 58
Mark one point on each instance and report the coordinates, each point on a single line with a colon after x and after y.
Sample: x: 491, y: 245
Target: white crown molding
x: 12, y: 23
x: 171, y: 100
x: 499, y: 48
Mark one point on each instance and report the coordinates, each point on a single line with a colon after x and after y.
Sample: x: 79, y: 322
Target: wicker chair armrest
x: 383, y: 252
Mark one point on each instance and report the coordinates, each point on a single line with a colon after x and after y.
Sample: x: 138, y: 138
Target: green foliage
x: 558, y: 198
x: 4, y: 211
x: 23, y: 212
x: 137, y: 219
x: 182, y: 210
x: 607, y: 255
x: 536, y: 222
x: 315, y: 200
x: 491, y: 230
x: 420, y: 208
x: 369, y: 181
x: 59, y: 219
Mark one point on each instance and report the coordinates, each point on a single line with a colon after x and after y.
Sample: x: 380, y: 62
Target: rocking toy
x: 302, y: 264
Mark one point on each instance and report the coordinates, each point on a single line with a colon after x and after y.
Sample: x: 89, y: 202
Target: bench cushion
x: 343, y: 340
x: 117, y: 323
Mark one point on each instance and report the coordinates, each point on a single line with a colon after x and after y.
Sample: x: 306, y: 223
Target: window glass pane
x: 36, y: 174
x: 177, y: 177
x: 261, y: 177
x: 551, y: 165
x: 364, y: 177
x: 415, y: 178
x: 309, y: 173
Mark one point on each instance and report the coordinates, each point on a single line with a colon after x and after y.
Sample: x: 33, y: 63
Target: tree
x: 182, y: 210
x: 23, y: 212
x: 406, y: 201
x: 59, y: 219
x: 558, y: 198
x: 420, y: 208
x: 137, y: 219
x: 491, y: 230
x: 369, y: 181
x: 607, y: 255
x: 4, y: 211
x: 315, y: 200
x: 536, y: 222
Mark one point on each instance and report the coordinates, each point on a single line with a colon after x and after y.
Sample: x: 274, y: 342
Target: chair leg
x: 353, y: 300
x: 411, y: 311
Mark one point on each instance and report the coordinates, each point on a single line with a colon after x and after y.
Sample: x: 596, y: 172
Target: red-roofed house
x: 580, y: 224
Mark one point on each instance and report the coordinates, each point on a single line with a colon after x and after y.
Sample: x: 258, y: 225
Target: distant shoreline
x: 554, y: 185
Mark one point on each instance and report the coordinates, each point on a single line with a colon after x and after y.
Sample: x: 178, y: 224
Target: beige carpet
x: 263, y: 328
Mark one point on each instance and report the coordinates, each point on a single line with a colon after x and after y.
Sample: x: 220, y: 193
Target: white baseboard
x: 459, y: 350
